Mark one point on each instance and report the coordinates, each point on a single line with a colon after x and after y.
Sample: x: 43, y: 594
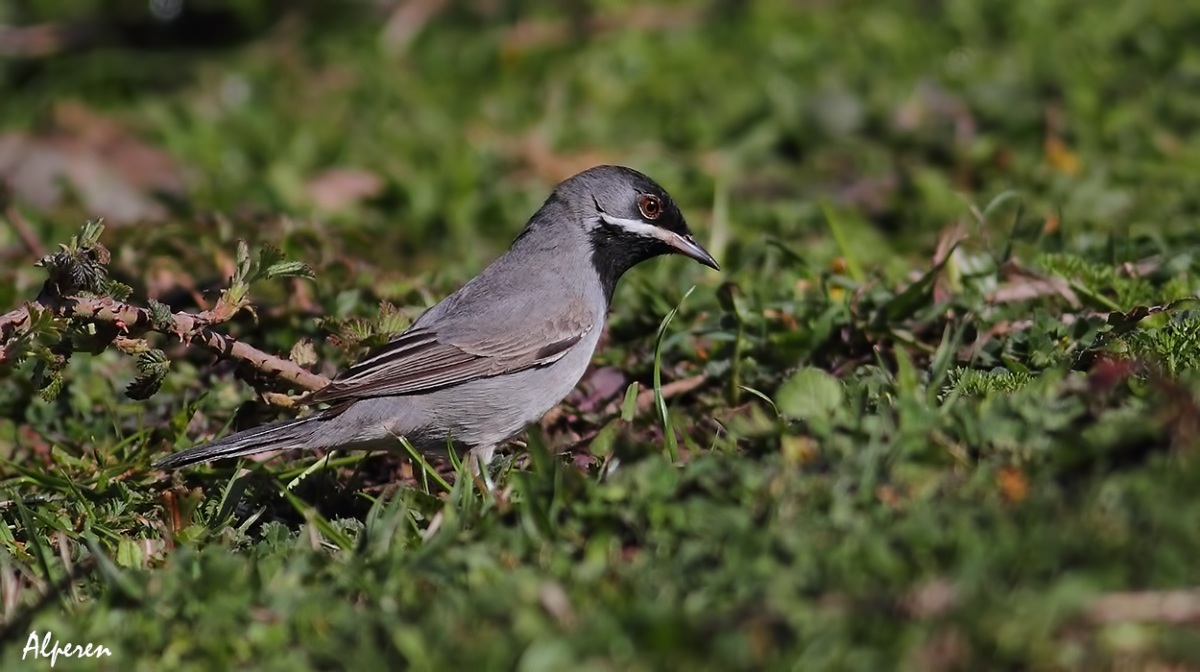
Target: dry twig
x: 28, y: 238
x: 1176, y: 607
x: 133, y: 321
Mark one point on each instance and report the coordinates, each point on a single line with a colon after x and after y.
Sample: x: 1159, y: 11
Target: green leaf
x: 112, y: 575
x: 810, y: 394
x: 268, y: 256
x: 160, y: 315
x: 303, y: 353
x: 129, y: 554
x: 119, y: 291
x: 391, y: 320
x: 907, y: 380
x: 89, y: 236
x: 153, y: 365
x: 244, y: 264
x: 1000, y: 199
x: 289, y: 269
x: 315, y: 519
x: 602, y: 444
x: 660, y: 401
x: 143, y: 387
x: 50, y: 386
x: 842, y: 237
x: 913, y: 297
x: 629, y: 404
x: 762, y: 396
x: 151, y: 360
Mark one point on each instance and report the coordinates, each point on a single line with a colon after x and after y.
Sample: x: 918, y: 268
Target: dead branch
x: 675, y: 388
x: 46, y: 39
x: 133, y: 321
x: 645, y: 398
x: 1176, y: 607
x: 28, y: 238
x: 1180, y: 606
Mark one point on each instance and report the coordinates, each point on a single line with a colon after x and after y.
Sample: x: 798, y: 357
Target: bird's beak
x: 688, y: 247
x: 683, y: 243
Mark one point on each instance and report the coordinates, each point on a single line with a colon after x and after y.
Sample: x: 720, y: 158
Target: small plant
x: 81, y: 309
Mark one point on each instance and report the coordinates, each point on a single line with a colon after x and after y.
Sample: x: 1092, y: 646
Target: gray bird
x: 493, y: 357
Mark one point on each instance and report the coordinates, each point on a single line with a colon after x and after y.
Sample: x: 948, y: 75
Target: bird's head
x: 623, y: 216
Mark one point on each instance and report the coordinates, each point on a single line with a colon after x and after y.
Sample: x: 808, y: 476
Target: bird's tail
x: 282, y: 435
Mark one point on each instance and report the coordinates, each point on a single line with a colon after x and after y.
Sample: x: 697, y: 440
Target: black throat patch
x: 615, y: 250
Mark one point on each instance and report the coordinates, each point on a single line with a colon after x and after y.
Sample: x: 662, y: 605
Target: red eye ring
x: 650, y: 206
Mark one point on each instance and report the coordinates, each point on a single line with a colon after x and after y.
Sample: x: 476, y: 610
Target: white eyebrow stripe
x: 639, y: 228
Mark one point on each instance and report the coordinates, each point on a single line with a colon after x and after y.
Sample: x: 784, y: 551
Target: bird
x: 478, y: 367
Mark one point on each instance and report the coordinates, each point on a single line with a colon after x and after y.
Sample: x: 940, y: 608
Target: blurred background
x: 891, y: 454
x: 436, y: 125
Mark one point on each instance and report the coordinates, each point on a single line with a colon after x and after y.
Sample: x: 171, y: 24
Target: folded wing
x: 422, y: 359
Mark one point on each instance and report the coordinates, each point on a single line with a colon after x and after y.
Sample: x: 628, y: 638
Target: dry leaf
x: 339, y: 188
x: 114, y: 174
x: 1014, y: 485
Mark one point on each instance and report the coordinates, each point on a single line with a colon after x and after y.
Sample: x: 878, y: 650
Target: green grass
x: 912, y: 449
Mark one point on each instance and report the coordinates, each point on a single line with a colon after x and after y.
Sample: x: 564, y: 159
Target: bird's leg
x: 479, y: 459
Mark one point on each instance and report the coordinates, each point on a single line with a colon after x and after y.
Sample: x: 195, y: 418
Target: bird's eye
x: 650, y: 206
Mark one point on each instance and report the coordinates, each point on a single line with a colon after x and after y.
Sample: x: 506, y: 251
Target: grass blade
x: 660, y: 402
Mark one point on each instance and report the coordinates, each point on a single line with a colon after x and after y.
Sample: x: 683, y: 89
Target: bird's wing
x: 426, y: 358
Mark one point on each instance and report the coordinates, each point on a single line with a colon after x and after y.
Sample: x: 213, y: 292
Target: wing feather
x: 421, y: 360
